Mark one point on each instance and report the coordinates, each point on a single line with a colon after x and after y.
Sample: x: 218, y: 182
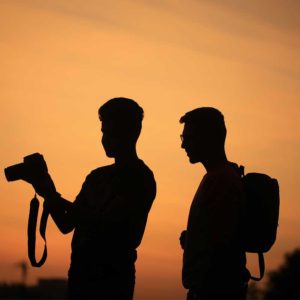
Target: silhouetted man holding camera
x: 110, y: 213
x: 213, y: 259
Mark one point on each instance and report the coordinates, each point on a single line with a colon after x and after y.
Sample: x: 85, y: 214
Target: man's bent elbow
x: 66, y: 229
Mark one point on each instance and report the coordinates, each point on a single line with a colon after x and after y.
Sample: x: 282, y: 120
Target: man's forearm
x: 61, y: 212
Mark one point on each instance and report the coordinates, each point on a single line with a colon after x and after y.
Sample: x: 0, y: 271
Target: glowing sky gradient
x: 60, y: 60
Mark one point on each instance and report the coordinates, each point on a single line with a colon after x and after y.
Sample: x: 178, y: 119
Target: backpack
x: 261, y: 214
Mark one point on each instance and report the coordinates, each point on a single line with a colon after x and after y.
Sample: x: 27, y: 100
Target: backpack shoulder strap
x: 238, y: 168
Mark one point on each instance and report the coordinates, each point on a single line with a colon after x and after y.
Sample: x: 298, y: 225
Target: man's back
x: 213, y: 257
x: 117, y: 200
x: 113, y: 203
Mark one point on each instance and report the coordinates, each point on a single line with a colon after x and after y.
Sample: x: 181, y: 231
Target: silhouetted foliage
x: 284, y: 282
x: 254, y: 291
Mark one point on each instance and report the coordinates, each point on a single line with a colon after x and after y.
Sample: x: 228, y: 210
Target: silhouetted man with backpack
x: 214, y: 262
x: 110, y: 213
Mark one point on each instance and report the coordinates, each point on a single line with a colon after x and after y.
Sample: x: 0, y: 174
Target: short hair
x: 124, y: 113
x: 208, y: 118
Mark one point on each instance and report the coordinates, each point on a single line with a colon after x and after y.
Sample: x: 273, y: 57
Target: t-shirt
x: 213, y: 257
x: 112, y: 209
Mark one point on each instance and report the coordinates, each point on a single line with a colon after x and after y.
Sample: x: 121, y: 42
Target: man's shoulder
x: 138, y: 174
x: 138, y: 171
x: 103, y: 169
x: 143, y: 169
x: 223, y: 184
x: 227, y: 173
x: 138, y: 178
x: 224, y: 179
x: 100, y: 171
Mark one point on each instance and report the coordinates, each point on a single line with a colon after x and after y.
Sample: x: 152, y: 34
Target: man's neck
x: 126, y: 159
x: 214, y: 163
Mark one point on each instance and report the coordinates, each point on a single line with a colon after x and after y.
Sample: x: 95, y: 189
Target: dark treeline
x: 45, y: 289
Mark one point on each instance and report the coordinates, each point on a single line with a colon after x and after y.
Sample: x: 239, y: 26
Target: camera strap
x: 31, y: 231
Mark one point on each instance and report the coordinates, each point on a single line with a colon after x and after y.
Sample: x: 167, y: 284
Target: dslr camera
x: 33, y: 166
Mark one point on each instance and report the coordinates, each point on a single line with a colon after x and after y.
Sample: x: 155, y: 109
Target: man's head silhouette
x: 121, y: 126
x: 204, y: 134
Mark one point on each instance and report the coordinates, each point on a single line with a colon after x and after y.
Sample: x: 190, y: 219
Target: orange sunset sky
x: 60, y: 60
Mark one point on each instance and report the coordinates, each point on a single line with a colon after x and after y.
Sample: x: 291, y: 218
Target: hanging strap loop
x: 261, y: 262
x: 31, y: 232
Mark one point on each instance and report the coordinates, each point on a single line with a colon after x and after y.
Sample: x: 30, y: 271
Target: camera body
x: 33, y: 166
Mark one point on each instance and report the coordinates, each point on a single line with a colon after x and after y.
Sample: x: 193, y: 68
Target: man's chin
x: 193, y: 160
x: 109, y: 154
